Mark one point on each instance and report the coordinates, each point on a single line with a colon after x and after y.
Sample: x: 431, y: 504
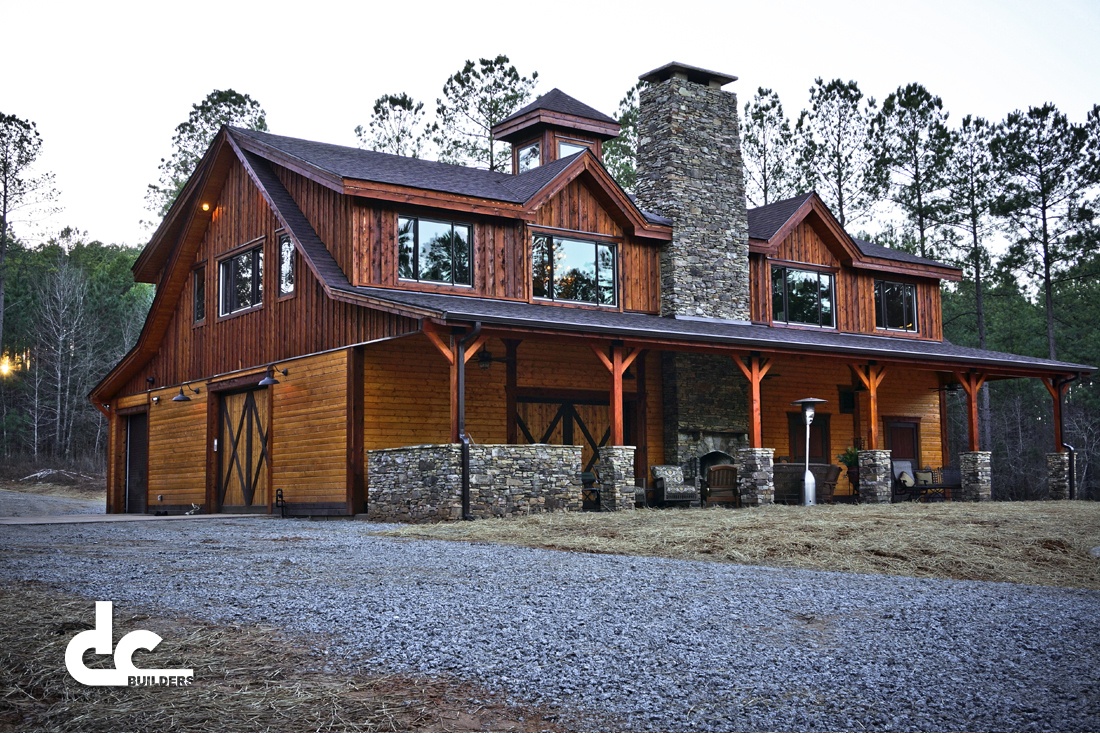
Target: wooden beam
x: 871, y: 376
x: 617, y: 364
x: 972, y: 382
x: 429, y: 330
x: 356, y: 468
x: 510, y: 383
x: 641, y: 453
x: 754, y: 369
x: 1057, y: 388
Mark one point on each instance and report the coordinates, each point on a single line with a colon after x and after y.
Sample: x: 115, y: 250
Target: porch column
x: 972, y: 383
x: 617, y: 474
x: 871, y: 376
x: 756, y: 476
x: 617, y: 364
x: 875, y: 477
x: 1058, y: 473
x: 511, y: 380
x: 452, y: 352
x: 755, y: 368
x: 977, y: 476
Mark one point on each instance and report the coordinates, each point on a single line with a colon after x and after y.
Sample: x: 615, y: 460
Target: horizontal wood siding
x: 177, y: 450
x: 309, y: 430
x: 307, y: 322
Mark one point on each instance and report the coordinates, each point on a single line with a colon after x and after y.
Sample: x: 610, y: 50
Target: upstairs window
x: 802, y: 296
x: 528, y: 157
x: 895, y: 306
x: 241, y: 281
x: 429, y: 250
x: 573, y: 270
x: 567, y: 148
x: 198, y: 290
x: 286, y: 265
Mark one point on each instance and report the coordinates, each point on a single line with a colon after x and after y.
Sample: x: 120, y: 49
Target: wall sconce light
x: 156, y: 400
x: 485, y: 359
x: 150, y: 381
x: 205, y: 206
x: 181, y: 397
x: 269, y: 379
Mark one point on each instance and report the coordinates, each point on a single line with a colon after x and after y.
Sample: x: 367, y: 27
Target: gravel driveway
x: 614, y: 642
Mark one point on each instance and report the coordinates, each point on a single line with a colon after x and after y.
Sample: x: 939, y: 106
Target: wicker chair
x: 669, y: 487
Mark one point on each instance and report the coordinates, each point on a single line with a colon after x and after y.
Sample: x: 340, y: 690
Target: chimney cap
x: 693, y: 74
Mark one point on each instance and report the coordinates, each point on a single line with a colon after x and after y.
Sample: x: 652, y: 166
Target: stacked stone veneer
x: 690, y: 170
x: 1058, y: 468
x: 617, y: 487
x: 977, y: 476
x: 424, y: 483
x: 756, y: 476
x: 875, y: 477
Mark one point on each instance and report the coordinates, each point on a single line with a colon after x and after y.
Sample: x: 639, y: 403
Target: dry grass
x: 1040, y: 543
x: 86, y: 490
x: 246, y: 679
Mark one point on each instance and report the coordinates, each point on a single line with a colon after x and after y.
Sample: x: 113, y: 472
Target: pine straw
x: 246, y: 679
x: 1039, y: 543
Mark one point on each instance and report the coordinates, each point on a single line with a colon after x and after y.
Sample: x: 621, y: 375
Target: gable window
x: 199, y: 291
x: 286, y: 265
x: 430, y: 250
x: 241, y: 281
x: 802, y: 296
x: 528, y: 157
x: 573, y: 269
x: 567, y: 148
x: 895, y: 306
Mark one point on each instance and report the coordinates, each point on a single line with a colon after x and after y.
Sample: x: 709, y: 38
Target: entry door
x: 243, y: 474
x: 137, y: 463
x: 903, y: 440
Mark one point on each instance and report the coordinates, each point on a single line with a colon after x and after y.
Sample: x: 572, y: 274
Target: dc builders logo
x: 125, y: 674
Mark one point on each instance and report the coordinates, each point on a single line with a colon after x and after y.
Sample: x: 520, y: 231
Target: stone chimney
x: 690, y: 170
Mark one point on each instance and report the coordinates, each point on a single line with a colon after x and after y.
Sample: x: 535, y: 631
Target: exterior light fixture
x: 205, y: 206
x: 156, y: 400
x: 269, y: 378
x: 181, y: 397
x: 809, y: 498
x: 485, y: 359
x: 150, y: 380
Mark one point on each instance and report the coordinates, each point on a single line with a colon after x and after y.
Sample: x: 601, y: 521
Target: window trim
x: 881, y: 302
x: 806, y: 268
x: 251, y: 247
x: 198, y: 277
x: 416, y: 251
x: 519, y: 155
x: 294, y: 269
x: 595, y: 240
x: 576, y: 142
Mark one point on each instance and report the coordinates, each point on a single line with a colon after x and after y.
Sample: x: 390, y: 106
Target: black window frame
x: 537, y: 145
x: 908, y: 307
x: 549, y: 277
x: 198, y: 295
x: 225, y: 302
x: 786, y: 311
x: 414, y: 260
x: 284, y: 241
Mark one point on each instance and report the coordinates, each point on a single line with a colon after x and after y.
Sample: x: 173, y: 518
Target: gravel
x: 613, y: 642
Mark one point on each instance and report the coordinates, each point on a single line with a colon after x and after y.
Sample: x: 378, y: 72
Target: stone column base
x: 977, y: 476
x: 617, y: 477
x: 1058, y: 475
x: 755, y: 476
x: 875, y: 477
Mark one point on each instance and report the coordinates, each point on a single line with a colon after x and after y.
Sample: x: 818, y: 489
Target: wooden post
x: 450, y: 352
x: 511, y: 380
x: 972, y: 382
x: 356, y: 468
x: 871, y: 376
x: 617, y: 364
x: 641, y: 454
x: 754, y: 370
x: 1057, y: 388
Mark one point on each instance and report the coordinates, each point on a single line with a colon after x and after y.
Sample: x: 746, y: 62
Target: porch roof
x: 641, y: 327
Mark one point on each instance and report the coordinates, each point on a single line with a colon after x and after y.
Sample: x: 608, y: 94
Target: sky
x: 107, y: 83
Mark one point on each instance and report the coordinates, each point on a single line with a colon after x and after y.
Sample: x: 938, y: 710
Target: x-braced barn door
x: 243, y: 474
x: 565, y: 423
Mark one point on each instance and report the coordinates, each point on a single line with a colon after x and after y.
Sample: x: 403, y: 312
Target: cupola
x: 554, y: 126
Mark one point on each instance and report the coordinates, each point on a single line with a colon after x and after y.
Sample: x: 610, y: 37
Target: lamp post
x: 809, y: 497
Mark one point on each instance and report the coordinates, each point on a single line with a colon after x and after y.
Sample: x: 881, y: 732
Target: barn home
x: 338, y: 331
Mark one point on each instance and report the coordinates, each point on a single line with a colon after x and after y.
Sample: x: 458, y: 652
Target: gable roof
x: 558, y: 109
x: 556, y: 100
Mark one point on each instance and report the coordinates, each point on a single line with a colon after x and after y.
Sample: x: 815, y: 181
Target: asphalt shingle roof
x: 556, y: 100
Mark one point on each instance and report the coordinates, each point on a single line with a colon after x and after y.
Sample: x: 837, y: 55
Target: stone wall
x: 756, y: 476
x: 617, y: 489
x: 424, y: 483
x: 1058, y: 467
x: 690, y: 170
x: 977, y: 476
x: 875, y: 477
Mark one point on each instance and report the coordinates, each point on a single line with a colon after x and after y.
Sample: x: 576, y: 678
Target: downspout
x: 464, y: 440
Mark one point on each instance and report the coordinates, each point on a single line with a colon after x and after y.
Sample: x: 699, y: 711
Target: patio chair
x: 669, y: 487
x: 904, y: 481
x: 722, y: 485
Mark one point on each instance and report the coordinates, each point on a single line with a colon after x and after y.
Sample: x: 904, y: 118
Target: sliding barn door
x: 243, y: 473
x: 566, y: 422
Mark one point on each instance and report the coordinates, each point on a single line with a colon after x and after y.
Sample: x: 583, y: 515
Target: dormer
x: 554, y: 126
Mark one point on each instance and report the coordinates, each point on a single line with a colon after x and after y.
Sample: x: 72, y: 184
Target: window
x: 286, y: 265
x: 802, y: 296
x: 199, y: 292
x: 528, y: 157
x: 895, y: 306
x: 573, y: 269
x: 241, y: 281
x: 433, y: 251
x: 565, y: 148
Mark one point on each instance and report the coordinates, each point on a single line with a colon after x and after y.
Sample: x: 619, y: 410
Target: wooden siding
x: 305, y: 323
x: 855, y: 289
x: 177, y: 450
x: 328, y: 214
x: 309, y: 429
